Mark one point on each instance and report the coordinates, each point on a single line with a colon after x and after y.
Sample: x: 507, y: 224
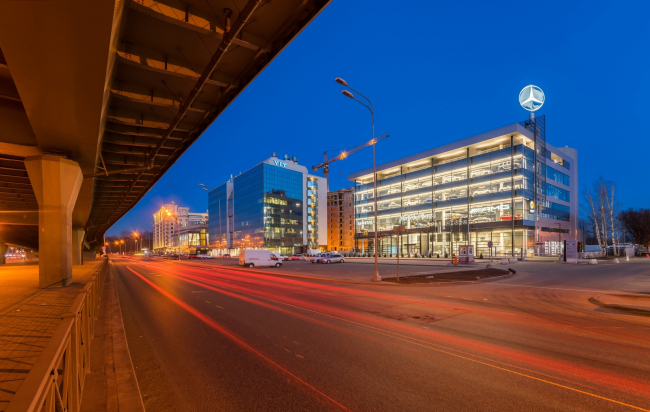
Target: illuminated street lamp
x: 347, y: 93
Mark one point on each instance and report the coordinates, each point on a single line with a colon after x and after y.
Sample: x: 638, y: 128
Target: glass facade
x: 557, y: 176
x: 282, y: 208
x: 248, y: 191
x: 480, y: 193
x: 261, y: 208
x: 217, y: 209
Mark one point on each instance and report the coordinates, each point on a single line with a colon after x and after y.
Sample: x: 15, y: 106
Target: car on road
x: 225, y: 255
x: 172, y: 257
x: 297, y: 257
x: 205, y: 256
x: 334, y: 258
x: 257, y: 257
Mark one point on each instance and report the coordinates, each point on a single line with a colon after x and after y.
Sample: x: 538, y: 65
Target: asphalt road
x: 213, y: 338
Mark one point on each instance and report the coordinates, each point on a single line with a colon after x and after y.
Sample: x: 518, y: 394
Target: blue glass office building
x: 507, y: 192
x: 274, y: 205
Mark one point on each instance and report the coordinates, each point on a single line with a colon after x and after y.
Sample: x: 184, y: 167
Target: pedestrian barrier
x: 57, y: 379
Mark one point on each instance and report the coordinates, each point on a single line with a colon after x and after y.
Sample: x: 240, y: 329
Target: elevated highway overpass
x: 99, y: 98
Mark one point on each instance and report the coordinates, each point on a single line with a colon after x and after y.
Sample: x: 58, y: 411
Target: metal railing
x: 57, y: 379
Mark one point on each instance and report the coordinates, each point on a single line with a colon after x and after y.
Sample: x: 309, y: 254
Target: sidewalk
x: 111, y: 384
x: 28, y: 318
x: 638, y: 304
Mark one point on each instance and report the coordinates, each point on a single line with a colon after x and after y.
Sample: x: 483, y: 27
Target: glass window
x: 556, y: 192
x: 557, y: 176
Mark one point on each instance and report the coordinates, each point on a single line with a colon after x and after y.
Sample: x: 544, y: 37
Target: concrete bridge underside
x: 99, y: 98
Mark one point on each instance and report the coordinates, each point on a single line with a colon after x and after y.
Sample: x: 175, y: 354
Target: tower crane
x: 344, y: 154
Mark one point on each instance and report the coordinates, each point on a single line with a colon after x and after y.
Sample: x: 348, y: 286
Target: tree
x: 637, y: 223
x: 601, y: 212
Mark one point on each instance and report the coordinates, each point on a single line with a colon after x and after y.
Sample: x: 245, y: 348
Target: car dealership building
x: 507, y: 192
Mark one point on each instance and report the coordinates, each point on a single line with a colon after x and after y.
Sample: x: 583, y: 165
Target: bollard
x: 616, y: 260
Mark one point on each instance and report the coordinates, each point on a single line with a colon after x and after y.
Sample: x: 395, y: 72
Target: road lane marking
x: 447, y: 351
x: 210, y: 322
x: 427, y: 345
x: 199, y: 291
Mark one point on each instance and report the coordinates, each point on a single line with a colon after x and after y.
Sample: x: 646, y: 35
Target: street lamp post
x: 342, y: 82
x: 207, y: 189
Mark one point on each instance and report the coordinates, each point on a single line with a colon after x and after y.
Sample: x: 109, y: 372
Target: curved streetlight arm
x: 376, y: 276
x: 367, y: 107
x: 357, y: 92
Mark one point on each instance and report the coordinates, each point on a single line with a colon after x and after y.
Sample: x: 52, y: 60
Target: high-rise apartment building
x: 340, y: 221
x: 171, y: 221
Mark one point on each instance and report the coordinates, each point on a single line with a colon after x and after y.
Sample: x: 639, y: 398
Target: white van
x: 257, y: 257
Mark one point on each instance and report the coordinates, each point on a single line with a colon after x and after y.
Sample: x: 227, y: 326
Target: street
x: 208, y: 337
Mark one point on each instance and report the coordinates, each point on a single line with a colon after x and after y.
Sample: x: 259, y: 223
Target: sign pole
x: 398, y: 230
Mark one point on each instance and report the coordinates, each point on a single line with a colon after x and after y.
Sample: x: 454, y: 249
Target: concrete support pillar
x: 77, y: 245
x: 3, y: 251
x: 56, y: 183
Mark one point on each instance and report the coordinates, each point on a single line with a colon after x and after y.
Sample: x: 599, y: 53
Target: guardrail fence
x: 56, y: 381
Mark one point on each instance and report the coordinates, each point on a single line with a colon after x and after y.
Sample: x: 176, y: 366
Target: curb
x: 622, y: 308
x: 460, y: 282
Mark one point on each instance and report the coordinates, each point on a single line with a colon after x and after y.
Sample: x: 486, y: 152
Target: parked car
x: 481, y: 192
x: 509, y: 217
x: 334, y: 258
x: 318, y: 257
x: 481, y: 219
x: 278, y: 256
x: 257, y: 257
x: 480, y: 172
x: 205, y: 256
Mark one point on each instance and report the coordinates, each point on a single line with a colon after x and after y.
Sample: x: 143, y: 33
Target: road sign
x: 490, y: 243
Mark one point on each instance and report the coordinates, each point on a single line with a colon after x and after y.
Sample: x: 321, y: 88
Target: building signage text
x: 279, y: 163
x: 417, y: 217
x: 490, y: 208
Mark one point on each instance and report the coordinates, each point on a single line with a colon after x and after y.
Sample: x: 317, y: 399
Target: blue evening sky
x: 436, y: 72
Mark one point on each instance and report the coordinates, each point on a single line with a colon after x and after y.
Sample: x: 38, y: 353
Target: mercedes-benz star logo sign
x: 531, y: 98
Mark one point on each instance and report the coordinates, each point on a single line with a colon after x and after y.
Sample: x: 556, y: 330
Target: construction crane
x: 344, y: 154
